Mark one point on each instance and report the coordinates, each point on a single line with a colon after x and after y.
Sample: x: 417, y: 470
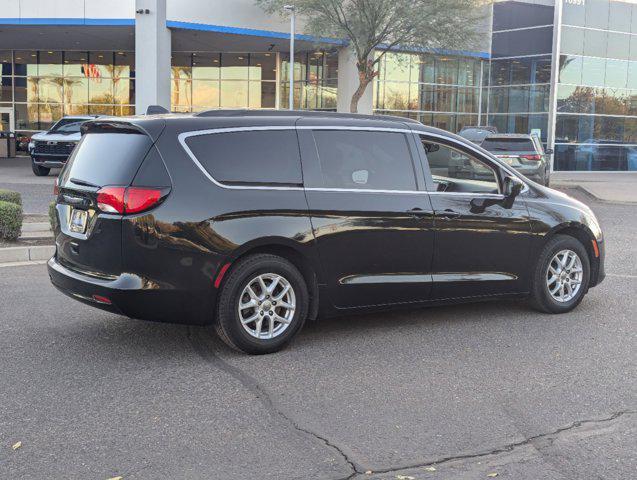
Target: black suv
x: 257, y: 221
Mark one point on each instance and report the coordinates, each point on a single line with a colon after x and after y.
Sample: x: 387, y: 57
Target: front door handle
x: 448, y: 214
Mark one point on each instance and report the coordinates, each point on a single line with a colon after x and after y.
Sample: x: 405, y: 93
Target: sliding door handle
x: 419, y: 212
x: 448, y: 214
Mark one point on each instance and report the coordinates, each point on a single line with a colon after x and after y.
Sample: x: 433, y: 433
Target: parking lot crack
x: 208, y: 351
x: 550, y: 437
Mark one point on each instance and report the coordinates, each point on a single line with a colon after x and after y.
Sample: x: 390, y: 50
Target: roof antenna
x: 155, y: 110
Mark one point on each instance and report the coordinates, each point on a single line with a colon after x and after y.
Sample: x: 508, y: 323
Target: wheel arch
x: 585, y: 236
x: 289, y: 250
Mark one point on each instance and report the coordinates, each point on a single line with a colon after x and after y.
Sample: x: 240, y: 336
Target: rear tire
x: 39, y: 170
x: 558, y: 288
x: 278, y: 311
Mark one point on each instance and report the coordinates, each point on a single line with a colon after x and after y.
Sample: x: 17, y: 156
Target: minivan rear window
x: 251, y: 157
x: 509, y: 145
x: 107, y: 158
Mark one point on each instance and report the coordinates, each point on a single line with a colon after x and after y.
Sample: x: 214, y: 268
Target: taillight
x: 129, y: 200
x: 139, y: 199
x: 531, y: 157
x: 111, y: 199
x: 56, y: 187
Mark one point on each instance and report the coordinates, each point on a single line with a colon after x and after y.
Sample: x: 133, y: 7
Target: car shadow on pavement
x: 143, y: 339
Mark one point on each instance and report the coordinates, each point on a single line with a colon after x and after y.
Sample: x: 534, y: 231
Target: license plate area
x: 78, y: 221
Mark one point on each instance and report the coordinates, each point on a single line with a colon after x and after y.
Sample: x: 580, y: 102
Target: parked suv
x: 523, y: 152
x: 477, y: 134
x: 258, y: 221
x: 51, y: 149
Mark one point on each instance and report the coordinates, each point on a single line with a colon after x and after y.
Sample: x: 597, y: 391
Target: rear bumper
x: 132, y: 296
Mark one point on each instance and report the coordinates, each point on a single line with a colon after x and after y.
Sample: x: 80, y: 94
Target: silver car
x: 523, y: 152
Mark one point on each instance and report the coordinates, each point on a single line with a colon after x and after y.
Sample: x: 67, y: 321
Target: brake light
x: 56, y: 187
x: 140, y: 199
x: 531, y: 157
x: 129, y: 200
x: 111, y: 199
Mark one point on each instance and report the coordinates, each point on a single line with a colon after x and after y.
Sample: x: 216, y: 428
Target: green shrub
x: 10, y: 196
x: 10, y: 220
x: 53, y: 219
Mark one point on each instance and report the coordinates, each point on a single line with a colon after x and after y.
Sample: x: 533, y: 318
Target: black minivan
x: 256, y: 221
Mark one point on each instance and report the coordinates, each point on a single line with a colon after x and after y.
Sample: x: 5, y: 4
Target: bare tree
x: 369, y: 25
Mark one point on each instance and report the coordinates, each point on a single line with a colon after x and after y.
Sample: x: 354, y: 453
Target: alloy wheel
x: 564, y: 275
x: 266, y: 306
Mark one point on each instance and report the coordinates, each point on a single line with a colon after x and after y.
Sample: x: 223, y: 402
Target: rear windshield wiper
x: 84, y: 183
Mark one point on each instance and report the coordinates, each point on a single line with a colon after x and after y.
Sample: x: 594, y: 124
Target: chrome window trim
x: 182, y: 137
x: 489, y: 156
x: 196, y: 133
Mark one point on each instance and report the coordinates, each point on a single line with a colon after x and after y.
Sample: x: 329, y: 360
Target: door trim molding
x: 441, y: 277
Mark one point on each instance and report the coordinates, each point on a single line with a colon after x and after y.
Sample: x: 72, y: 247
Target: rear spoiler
x: 155, y: 110
x: 112, y: 125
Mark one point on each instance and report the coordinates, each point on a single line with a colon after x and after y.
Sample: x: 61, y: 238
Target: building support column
x: 555, y: 73
x: 152, y: 55
x: 348, y: 83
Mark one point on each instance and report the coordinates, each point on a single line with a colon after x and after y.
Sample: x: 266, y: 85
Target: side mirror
x: 512, y: 187
x: 548, y: 151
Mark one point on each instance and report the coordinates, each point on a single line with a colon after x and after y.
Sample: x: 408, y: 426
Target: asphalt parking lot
x: 470, y: 391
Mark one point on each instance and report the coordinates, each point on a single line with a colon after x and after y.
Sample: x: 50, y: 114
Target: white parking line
x: 620, y: 275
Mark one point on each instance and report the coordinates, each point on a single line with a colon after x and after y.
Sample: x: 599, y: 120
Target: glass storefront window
x: 127, y: 61
x: 234, y: 94
x: 445, y: 99
x: 123, y: 91
x: 100, y: 90
x: 616, y: 73
x: 595, y: 43
x: 596, y: 156
x: 263, y: 66
x: 618, y: 46
x: 397, y: 67
x: 234, y: 66
x: 74, y: 63
x: 447, y: 70
x: 6, y: 62
x: 520, y: 70
x: 25, y: 63
x: 205, y: 94
x: 572, y: 42
x: 597, y: 12
x: 6, y: 89
x: 570, y: 69
x: 595, y: 69
x: 75, y: 90
x: 50, y: 63
x: 500, y: 72
x: 518, y: 99
x: 205, y: 66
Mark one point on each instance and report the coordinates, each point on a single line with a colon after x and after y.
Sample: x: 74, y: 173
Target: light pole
x: 290, y: 8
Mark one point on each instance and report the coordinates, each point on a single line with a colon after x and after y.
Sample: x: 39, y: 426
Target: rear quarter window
x: 252, y: 157
x: 107, y: 158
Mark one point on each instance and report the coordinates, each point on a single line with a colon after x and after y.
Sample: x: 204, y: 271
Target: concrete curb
x: 26, y: 254
x: 586, y: 191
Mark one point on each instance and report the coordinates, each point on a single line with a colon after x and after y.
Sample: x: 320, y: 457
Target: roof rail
x: 298, y: 113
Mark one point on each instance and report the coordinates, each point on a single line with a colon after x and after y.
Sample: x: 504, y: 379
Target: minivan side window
x: 456, y: 171
x: 357, y: 159
x: 249, y: 157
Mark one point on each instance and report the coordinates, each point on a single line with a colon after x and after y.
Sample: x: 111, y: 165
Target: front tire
x: 262, y: 305
x: 39, y: 170
x: 561, y: 276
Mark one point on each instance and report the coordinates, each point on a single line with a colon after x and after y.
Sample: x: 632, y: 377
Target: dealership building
x: 563, y: 69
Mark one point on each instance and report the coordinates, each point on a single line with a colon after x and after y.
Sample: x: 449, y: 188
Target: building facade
x: 564, y: 69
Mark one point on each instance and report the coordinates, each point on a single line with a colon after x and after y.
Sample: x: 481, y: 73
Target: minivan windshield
x: 509, y: 145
